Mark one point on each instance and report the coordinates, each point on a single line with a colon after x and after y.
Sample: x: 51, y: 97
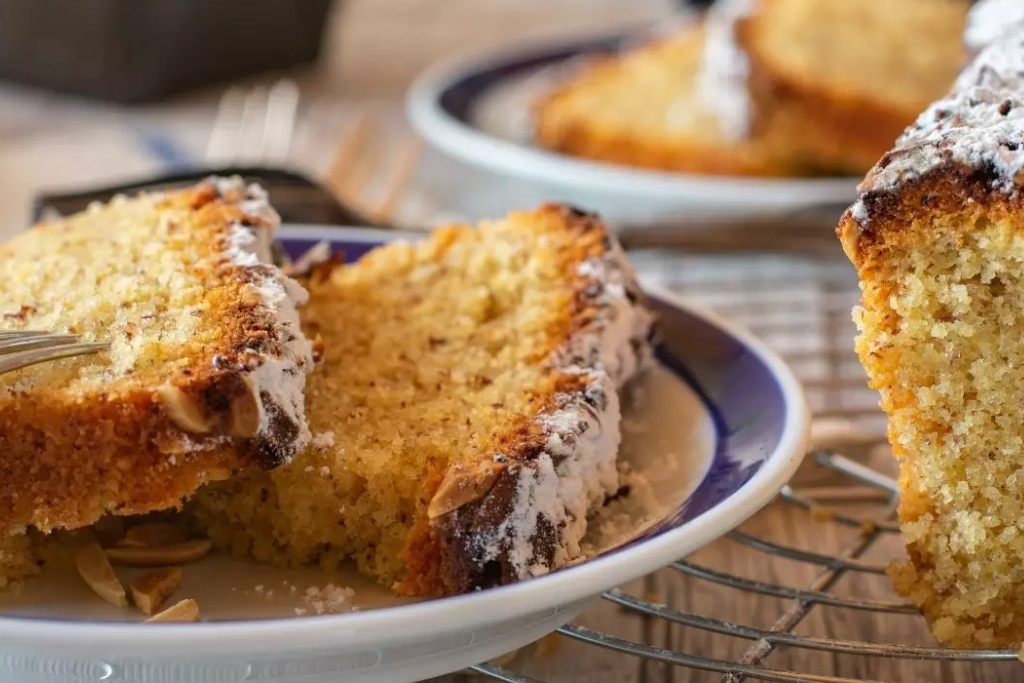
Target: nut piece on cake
x: 203, y: 329
x: 938, y: 240
x: 471, y: 384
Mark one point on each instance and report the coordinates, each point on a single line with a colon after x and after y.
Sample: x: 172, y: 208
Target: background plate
x: 722, y: 424
x: 477, y: 108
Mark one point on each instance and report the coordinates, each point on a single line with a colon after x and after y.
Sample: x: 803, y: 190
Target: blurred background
x: 145, y: 102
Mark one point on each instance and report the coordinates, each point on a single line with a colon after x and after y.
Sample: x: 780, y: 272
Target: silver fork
x: 22, y: 348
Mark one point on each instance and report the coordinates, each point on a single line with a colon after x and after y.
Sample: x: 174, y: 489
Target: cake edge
x: 524, y: 513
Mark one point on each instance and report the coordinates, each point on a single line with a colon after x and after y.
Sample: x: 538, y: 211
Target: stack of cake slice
x: 762, y: 87
x: 938, y: 240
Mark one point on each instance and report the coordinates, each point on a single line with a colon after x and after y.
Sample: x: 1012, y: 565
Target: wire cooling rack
x: 800, y: 305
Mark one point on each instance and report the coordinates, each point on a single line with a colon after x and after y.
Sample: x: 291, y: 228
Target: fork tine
x: 23, y: 359
x: 21, y: 334
x: 227, y: 127
x: 252, y: 127
x: 35, y: 341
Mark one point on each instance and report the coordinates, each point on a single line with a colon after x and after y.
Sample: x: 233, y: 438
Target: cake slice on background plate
x: 854, y: 73
x: 938, y: 240
x: 679, y: 103
x: 761, y: 88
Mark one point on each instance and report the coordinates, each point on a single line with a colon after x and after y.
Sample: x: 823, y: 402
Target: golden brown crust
x: 69, y: 456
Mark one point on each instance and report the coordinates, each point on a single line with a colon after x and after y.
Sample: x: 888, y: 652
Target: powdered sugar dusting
x: 323, y: 441
x: 979, y: 124
x: 725, y: 69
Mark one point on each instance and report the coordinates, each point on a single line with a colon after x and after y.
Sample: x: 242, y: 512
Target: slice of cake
x: 205, y: 371
x: 677, y: 104
x: 858, y: 72
x: 465, y: 413
x: 938, y: 240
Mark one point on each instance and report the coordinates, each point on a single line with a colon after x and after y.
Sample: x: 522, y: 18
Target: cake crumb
x: 330, y: 599
x: 323, y: 440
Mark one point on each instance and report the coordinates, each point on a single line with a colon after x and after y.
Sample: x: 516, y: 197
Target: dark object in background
x: 134, y: 51
x: 297, y: 198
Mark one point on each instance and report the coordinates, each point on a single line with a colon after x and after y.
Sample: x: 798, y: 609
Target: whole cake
x: 938, y: 240
x: 465, y: 412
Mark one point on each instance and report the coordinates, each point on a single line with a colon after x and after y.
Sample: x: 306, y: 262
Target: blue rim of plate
x: 441, y: 100
x: 762, y: 426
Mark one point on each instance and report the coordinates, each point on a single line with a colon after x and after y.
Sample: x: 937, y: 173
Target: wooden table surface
x: 375, y: 48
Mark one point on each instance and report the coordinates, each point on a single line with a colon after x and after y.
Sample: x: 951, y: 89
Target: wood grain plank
x: 575, y: 662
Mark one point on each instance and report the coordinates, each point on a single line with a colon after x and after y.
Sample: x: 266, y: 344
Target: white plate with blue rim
x: 477, y: 109
x: 710, y: 436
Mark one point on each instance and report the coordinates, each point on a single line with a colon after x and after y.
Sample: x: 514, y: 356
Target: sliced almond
x: 246, y: 413
x: 95, y: 569
x: 159, y: 555
x: 150, y: 591
x: 462, y: 485
x: 185, y: 611
x: 182, y: 410
x: 155, y: 533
